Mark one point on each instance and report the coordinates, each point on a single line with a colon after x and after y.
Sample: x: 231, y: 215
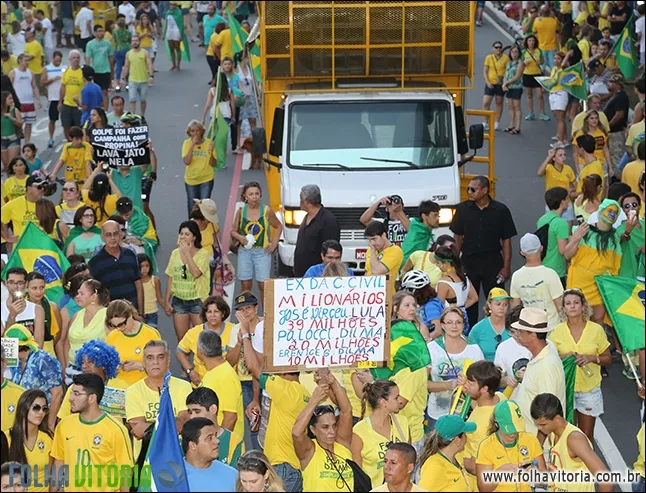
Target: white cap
x: 530, y: 243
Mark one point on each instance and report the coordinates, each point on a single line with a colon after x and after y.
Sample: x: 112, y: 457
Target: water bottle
x: 587, y: 370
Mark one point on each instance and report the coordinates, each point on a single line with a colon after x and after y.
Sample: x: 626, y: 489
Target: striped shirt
x: 118, y: 275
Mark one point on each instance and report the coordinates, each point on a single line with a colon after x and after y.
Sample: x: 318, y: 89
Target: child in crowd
x: 152, y: 290
x: 33, y: 162
x: 16, y: 184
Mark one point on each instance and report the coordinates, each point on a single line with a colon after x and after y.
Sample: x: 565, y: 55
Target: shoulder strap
x: 329, y: 455
x: 399, y: 429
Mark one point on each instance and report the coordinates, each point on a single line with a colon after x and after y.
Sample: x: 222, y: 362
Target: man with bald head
x: 117, y: 267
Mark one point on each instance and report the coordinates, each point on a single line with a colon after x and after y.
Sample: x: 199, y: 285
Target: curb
x: 503, y: 21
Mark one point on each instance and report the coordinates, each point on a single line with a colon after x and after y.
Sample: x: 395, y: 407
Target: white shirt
x: 22, y: 86
x: 511, y: 357
x: 82, y: 17
x: 26, y: 318
x: 639, y: 28
x: 53, y: 90
x: 16, y: 43
x: 49, y: 37
x: 129, y: 11
x: 538, y: 287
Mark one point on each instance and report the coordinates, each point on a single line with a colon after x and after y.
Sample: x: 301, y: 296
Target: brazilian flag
x: 624, y: 300
x: 569, y: 368
x: 239, y: 39
x: 625, y: 52
x: 35, y: 251
x: 407, y: 350
x: 571, y: 79
x: 219, y: 129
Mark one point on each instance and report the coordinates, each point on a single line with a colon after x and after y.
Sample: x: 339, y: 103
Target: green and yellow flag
x: 625, y: 52
x: 184, y: 45
x: 219, y: 128
x: 239, y: 39
x: 35, y: 251
x: 571, y: 79
x: 569, y: 368
x: 407, y: 350
x: 624, y: 300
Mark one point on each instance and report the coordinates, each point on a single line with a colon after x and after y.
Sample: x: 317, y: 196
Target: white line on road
x: 59, y: 147
x: 609, y: 449
x: 491, y: 21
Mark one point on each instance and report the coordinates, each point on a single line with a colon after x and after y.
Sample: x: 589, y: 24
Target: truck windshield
x: 371, y: 135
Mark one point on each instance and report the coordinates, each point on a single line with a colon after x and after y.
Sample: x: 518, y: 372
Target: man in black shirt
x: 483, y: 230
x: 618, y: 16
x: 319, y: 225
x: 617, y: 113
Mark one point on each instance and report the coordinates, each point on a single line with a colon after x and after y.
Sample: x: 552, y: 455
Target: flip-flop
x: 508, y: 129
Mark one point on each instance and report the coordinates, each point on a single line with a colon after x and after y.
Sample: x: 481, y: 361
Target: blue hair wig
x: 102, y: 355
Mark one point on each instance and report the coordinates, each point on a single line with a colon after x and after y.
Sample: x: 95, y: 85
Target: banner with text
x: 121, y: 147
x: 326, y: 322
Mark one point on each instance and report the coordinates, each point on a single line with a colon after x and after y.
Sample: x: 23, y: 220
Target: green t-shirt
x: 100, y: 53
x: 558, y: 230
x: 419, y: 237
x: 130, y: 184
x: 632, y: 260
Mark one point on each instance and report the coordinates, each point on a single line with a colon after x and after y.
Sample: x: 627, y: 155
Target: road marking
x: 491, y: 21
x: 46, y: 165
x: 60, y: 146
x: 611, y: 453
x: 231, y: 206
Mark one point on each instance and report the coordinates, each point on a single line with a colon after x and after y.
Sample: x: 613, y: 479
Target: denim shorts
x: 10, y: 142
x: 186, y: 307
x: 253, y: 261
x: 514, y: 93
x: 137, y: 91
x: 152, y: 319
x: 589, y: 403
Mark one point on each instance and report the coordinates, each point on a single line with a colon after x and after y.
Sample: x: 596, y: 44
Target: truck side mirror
x: 259, y: 141
x: 276, y: 143
x: 476, y: 136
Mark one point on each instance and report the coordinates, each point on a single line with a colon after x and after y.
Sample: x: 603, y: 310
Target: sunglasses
x: 38, y: 187
x: 321, y: 410
x: 38, y: 408
x: 69, y: 189
x: 121, y: 325
x: 498, y: 47
x: 472, y: 189
x: 184, y: 272
x: 632, y: 205
x: 498, y: 339
x: 80, y: 267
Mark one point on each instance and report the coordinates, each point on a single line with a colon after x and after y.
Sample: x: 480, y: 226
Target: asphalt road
x: 179, y: 97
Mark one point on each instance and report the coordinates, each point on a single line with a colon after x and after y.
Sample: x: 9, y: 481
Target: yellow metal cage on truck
x: 364, y: 99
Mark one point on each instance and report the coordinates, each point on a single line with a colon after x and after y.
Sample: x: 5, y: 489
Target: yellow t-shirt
x: 102, y: 442
x: 385, y: 489
x: 632, y: 173
x: 497, y: 67
x: 584, y: 46
x: 481, y: 416
x: 66, y: 410
x: 438, y: 473
x: 131, y: 348
x: 641, y: 441
x: 37, y: 457
x: 609, y: 61
x: 15, y: 187
x: 374, y: 447
x: 10, y: 64
x: 146, y: 42
x: 493, y: 453
x: 560, y: 459
x: 556, y: 178
x: 633, y: 133
x: 19, y: 212
x: 600, y: 140
x: 225, y: 44
x: 577, y: 123
x: 73, y: 82
x: 75, y: 159
x: 423, y: 260
x: 355, y: 400
x: 184, y: 285
x: 224, y: 381
x: 412, y: 386
x: 566, y: 7
x: 603, y: 22
x: 35, y: 50
x: 188, y: 345
x: 593, y: 341
x: 323, y: 473
x: 545, y: 29
x: 391, y: 258
x: 10, y: 394
x: 288, y: 400
x: 110, y: 206
x: 199, y: 171
x: 592, y: 168
x: 532, y: 60
x: 65, y: 207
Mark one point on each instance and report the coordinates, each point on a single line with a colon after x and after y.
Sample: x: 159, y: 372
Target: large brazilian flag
x: 571, y: 79
x: 625, y: 52
x: 624, y: 300
x: 35, y: 251
x: 407, y: 350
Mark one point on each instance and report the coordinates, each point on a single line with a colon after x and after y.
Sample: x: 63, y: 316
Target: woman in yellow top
x: 199, y: 156
x: 559, y: 99
x: 322, y: 440
x: 86, y: 325
x: 189, y: 275
x: 507, y: 448
x: 30, y: 439
x: 71, y: 202
x: 129, y: 337
x: 587, y: 342
x: 588, y: 202
x: 16, y: 184
x: 96, y: 193
x: 146, y: 33
x: 36, y: 294
x: 440, y: 470
x: 591, y: 127
x: 533, y: 59
x: 373, y: 433
x: 215, y: 311
x: 493, y: 71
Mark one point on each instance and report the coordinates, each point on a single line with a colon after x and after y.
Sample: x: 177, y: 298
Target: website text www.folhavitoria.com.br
x: 533, y: 476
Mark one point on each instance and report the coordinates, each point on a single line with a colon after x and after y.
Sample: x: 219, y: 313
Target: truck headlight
x: 294, y: 218
x: 446, y: 216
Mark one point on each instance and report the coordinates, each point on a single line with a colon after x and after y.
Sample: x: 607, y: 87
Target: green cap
x: 25, y: 338
x: 452, y: 425
x: 507, y: 415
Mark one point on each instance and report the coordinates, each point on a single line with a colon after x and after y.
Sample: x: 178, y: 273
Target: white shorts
x: 589, y: 403
x: 558, y: 100
x: 173, y: 34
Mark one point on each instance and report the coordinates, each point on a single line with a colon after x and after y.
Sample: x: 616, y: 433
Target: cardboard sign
x: 326, y: 322
x: 114, y: 401
x: 10, y: 349
x: 121, y: 147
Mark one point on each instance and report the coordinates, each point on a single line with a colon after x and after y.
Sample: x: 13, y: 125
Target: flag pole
x: 634, y: 370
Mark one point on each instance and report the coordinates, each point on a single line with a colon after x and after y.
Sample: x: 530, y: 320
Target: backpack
x: 543, y: 234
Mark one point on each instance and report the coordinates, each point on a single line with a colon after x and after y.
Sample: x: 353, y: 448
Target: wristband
x: 246, y: 336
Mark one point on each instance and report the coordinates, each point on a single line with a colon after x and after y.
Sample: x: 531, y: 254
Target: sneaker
x: 530, y: 116
x: 554, y: 139
x: 544, y: 117
x: 496, y: 126
x: 127, y: 87
x: 50, y: 143
x: 479, y: 23
x: 485, y: 126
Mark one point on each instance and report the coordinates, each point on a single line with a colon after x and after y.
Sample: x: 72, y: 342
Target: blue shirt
x: 432, y: 310
x: 117, y: 275
x: 484, y: 335
x: 218, y: 474
x: 35, y: 165
x: 92, y: 96
x: 317, y: 271
x: 42, y: 371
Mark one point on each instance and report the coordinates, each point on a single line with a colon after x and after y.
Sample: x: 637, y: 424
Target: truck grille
x: 351, y: 227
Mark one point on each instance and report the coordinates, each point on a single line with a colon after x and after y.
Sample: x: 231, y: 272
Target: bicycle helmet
x: 415, y: 279
x: 132, y: 119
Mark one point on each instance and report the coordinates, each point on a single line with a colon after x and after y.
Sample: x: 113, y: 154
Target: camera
x: 105, y: 167
x: 395, y: 199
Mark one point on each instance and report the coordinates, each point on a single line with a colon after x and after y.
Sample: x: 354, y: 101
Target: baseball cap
x: 124, y: 204
x: 594, y: 64
x: 25, y: 338
x: 507, y: 415
x: 497, y: 294
x: 616, y: 78
x: 530, y: 243
x: 450, y: 426
x: 244, y: 299
x: 35, y: 179
x: 532, y: 320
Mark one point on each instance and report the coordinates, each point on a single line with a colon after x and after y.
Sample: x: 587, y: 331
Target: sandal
x: 508, y: 129
x: 514, y: 131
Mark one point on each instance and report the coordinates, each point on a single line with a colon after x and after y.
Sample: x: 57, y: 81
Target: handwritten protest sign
x: 121, y: 147
x: 323, y: 322
x: 114, y: 401
x: 10, y: 350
